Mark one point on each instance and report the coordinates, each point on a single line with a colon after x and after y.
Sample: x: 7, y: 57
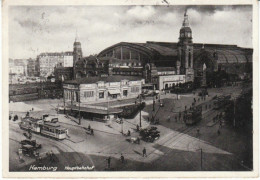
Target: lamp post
x: 79, y: 107
x: 64, y: 100
x: 140, y: 111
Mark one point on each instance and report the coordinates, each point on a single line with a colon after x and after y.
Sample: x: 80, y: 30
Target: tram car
x: 221, y: 101
x: 49, y: 129
x: 30, y: 123
x: 193, y: 116
x: 53, y: 130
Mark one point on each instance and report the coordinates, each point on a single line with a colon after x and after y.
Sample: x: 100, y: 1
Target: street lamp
x: 140, y: 110
x: 200, y: 158
x: 79, y: 107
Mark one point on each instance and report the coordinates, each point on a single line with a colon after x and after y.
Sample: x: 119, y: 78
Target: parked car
x: 31, y: 142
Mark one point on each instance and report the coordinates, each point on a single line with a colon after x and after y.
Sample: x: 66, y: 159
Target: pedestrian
x: 138, y: 140
x: 122, y: 158
x: 27, y: 114
x: 198, y: 131
x: 128, y: 133
x: 137, y: 127
x: 89, y: 127
x: 32, y: 109
x: 92, y: 132
x: 144, y: 152
x: 218, y: 132
x: 51, y: 156
x: 108, y: 162
x: 20, y: 153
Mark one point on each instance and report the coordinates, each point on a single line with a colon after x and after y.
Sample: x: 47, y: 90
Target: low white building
x: 101, y: 89
x: 167, y: 81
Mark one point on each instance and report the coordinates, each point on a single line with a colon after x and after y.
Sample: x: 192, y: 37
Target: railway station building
x: 179, y: 59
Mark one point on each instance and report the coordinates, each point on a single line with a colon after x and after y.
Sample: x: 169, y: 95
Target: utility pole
x: 200, y: 159
x: 79, y: 107
x: 122, y: 130
x: 64, y: 100
x: 234, y: 120
x: 71, y: 100
x: 153, y: 103
x: 140, y: 111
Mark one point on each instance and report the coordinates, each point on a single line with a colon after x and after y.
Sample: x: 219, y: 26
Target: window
x: 135, y: 89
x: 88, y: 94
x: 101, y: 95
x: 124, y: 92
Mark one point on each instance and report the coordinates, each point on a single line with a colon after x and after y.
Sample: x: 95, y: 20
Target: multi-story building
x: 31, y: 67
x: 46, y: 62
x: 18, y: 67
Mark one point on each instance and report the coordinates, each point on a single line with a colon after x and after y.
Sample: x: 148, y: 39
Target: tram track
x: 78, y: 158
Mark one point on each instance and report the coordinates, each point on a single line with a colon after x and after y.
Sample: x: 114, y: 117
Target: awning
x: 114, y: 91
x: 97, y: 111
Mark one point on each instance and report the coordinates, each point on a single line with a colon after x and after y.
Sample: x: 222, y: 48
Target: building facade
x: 46, y: 62
x: 101, y: 89
x: 185, y: 56
x: 31, y: 71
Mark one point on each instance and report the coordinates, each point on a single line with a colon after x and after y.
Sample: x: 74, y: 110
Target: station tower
x: 184, y: 63
x: 77, y: 53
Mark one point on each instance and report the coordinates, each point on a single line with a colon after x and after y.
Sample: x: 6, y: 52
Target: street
x: 179, y: 147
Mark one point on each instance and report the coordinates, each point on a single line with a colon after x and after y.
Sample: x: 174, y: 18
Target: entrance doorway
x: 125, y: 93
x: 166, y: 86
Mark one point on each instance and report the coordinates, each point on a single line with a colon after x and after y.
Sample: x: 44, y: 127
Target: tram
x: 53, y: 130
x: 221, y: 101
x: 193, y: 116
x: 30, y: 123
x: 49, y: 129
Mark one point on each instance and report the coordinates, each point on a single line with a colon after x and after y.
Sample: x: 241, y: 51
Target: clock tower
x: 184, y: 63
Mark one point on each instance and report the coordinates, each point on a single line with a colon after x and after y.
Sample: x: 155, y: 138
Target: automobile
x: 28, y: 150
x: 31, y: 142
x: 149, y: 134
x: 50, y: 118
x: 135, y: 140
x: 119, y: 121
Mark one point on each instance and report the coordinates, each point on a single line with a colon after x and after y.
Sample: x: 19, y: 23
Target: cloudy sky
x: 33, y: 29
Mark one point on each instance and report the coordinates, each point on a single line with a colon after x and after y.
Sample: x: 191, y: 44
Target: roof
x: 165, y: 69
x: 91, y: 80
x: 227, y: 53
x: 127, y: 69
x: 97, y: 111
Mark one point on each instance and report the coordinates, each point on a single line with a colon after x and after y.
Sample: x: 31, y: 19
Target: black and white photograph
x: 130, y: 88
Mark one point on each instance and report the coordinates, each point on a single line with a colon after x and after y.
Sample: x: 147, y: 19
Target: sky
x: 37, y: 29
